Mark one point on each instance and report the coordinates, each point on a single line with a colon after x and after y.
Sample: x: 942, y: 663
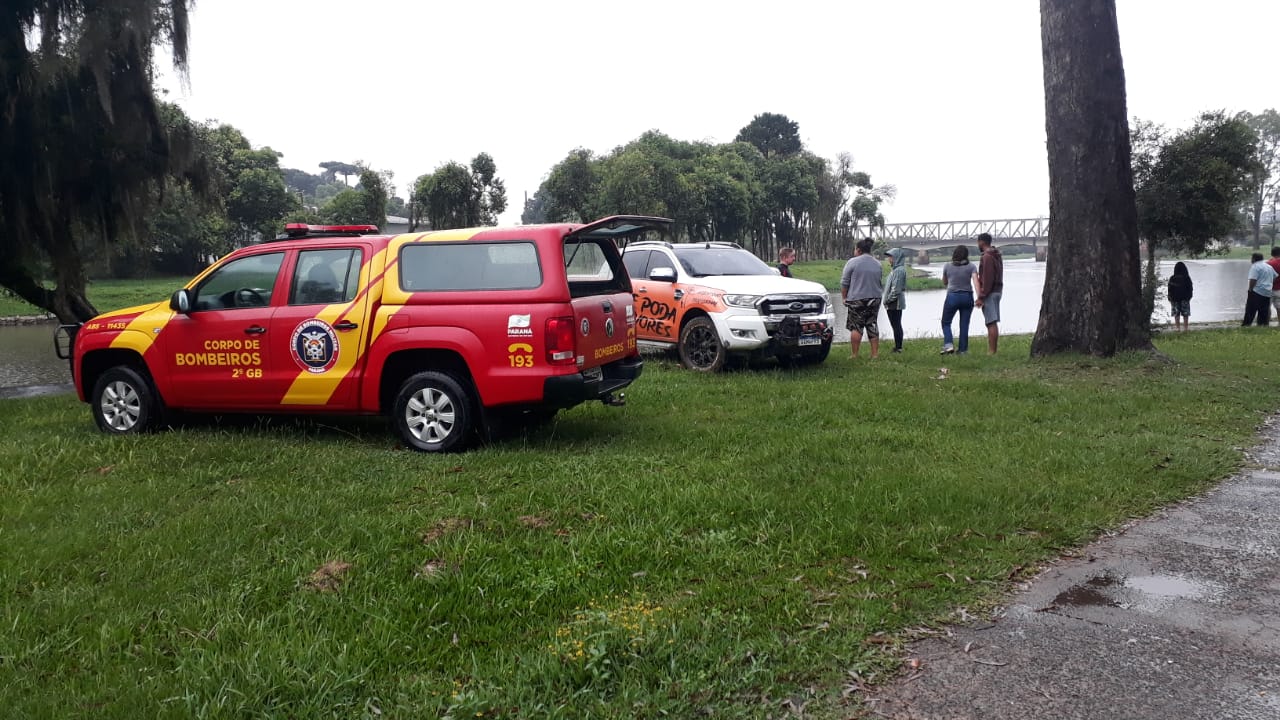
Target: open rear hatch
x: 603, y: 306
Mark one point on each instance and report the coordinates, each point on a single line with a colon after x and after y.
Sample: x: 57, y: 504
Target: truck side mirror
x: 181, y: 301
x: 663, y: 274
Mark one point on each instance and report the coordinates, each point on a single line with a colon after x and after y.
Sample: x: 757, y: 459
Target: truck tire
x: 125, y: 402
x: 700, y: 346
x: 434, y: 412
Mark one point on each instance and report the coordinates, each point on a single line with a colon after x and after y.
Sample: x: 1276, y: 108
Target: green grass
x: 719, y: 545
x: 827, y: 272
x: 106, y: 295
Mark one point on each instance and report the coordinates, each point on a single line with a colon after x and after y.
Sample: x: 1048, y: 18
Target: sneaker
x: 948, y: 349
x: 897, y: 350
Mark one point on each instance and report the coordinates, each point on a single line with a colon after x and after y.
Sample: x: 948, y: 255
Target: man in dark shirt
x: 990, y: 288
x: 786, y: 256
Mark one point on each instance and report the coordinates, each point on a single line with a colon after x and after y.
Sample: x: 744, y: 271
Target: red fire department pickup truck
x: 441, y: 331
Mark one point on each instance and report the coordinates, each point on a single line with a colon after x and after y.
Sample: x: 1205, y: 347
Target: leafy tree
x: 333, y: 168
x: 373, y: 198
x: 488, y: 192
x: 348, y: 207
x: 1264, y: 181
x: 396, y: 206
x: 82, y: 137
x: 1092, y: 300
x: 302, y: 181
x: 535, y: 208
x: 571, y: 188
x: 442, y: 198
x: 772, y: 134
x: 258, y: 202
x: 1188, y: 193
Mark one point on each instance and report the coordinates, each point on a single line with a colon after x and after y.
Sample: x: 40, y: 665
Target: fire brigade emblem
x: 314, y: 345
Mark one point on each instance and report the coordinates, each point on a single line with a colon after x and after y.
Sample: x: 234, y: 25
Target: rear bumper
x: 565, y: 391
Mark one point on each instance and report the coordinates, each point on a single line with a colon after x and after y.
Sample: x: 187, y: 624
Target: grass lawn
x: 716, y: 547
x: 106, y: 295
x: 827, y: 272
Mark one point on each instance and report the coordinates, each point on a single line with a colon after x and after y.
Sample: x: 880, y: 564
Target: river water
x: 26, y: 352
x: 1220, y: 287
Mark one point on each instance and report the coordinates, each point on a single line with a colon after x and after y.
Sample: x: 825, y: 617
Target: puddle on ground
x: 1142, y: 592
x: 1090, y: 593
x: 1170, y: 586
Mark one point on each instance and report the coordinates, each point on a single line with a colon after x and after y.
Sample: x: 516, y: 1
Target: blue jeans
x: 961, y: 302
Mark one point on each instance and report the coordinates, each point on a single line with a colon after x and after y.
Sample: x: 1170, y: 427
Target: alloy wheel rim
x: 121, y: 406
x: 703, y: 347
x: 430, y: 415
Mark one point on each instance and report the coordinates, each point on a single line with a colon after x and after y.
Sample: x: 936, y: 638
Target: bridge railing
x: 1032, y: 230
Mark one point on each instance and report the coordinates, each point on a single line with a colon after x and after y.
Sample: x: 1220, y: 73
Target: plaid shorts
x: 863, y: 318
x: 1180, y: 308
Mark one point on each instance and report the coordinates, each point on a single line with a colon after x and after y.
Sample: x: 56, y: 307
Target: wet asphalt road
x: 1177, y: 616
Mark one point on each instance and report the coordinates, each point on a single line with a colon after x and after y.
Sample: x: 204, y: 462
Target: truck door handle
x: 642, y: 290
x: 345, y: 325
x: 254, y: 330
x: 679, y: 294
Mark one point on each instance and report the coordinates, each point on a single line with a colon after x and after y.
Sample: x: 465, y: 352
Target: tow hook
x: 614, y: 400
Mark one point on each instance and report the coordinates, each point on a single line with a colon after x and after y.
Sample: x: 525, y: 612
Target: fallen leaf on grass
x: 536, y: 522
x: 328, y: 576
x: 106, y: 469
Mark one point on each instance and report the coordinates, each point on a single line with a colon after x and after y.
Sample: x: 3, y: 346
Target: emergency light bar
x: 295, y: 231
x: 302, y: 229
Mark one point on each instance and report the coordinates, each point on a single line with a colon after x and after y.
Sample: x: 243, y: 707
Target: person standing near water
x: 895, y: 293
x: 860, y: 289
x: 958, y: 275
x: 1180, y: 291
x: 1258, y: 304
x: 990, y: 289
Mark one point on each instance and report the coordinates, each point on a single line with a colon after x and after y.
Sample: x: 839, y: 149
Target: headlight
x: 741, y: 300
x: 826, y: 304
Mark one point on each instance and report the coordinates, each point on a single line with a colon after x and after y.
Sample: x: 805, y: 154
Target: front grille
x: 776, y: 305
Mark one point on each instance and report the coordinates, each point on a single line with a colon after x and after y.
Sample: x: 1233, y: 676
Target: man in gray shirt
x: 860, y: 289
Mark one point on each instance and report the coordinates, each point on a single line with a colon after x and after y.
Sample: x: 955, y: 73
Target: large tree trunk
x: 1092, y: 301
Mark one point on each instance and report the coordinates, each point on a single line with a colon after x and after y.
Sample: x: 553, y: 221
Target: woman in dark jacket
x: 1180, y: 290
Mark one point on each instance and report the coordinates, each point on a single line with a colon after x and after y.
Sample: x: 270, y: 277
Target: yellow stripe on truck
x: 310, y: 388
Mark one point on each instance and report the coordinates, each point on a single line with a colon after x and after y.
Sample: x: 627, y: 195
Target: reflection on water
x: 26, y: 352
x: 1220, y: 287
x: 26, y: 357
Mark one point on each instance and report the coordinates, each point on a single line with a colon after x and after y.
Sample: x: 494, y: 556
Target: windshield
x: 704, y: 261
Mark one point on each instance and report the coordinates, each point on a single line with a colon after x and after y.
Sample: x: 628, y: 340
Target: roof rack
x: 295, y: 231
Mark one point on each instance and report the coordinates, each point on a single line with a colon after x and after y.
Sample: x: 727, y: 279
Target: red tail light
x: 559, y: 336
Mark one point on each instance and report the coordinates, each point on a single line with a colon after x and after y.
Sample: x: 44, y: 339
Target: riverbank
x: 827, y: 273
x: 104, y: 294
x: 633, y: 561
x: 16, y: 320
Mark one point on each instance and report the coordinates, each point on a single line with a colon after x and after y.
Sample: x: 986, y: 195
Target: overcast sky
x: 942, y: 98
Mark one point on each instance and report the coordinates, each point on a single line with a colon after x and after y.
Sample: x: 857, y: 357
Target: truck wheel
x: 700, y: 346
x: 124, y: 402
x: 433, y: 412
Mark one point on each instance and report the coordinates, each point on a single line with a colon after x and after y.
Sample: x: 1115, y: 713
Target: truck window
x: 244, y: 282
x: 593, y: 269
x: 325, y: 276
x: 428, y: 267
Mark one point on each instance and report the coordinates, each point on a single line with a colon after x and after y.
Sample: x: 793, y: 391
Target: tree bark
x: 1092, y: 301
